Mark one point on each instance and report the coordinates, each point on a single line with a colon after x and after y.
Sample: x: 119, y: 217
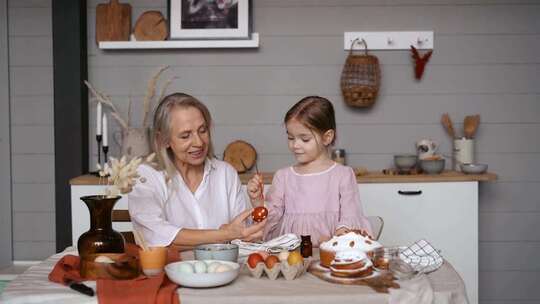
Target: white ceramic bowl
x: 202, y: 279
x: 473, y: 168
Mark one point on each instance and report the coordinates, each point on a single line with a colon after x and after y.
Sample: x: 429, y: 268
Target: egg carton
x: 289, y: 272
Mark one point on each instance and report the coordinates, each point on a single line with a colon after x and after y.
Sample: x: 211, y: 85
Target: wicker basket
x: 360, y: 79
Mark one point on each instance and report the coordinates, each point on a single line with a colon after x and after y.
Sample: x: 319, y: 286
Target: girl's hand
x: 236, y: 229
x: 255, y: 190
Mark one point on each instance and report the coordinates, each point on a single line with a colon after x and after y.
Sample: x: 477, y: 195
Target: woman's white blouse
x: 160, y: 211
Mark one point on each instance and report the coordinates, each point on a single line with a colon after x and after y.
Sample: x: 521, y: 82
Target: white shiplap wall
x: 32, y: 123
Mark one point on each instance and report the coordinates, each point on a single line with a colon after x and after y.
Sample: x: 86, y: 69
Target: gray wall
x: 6, y: 252
x: 31, y: 88
x: 486, y: 61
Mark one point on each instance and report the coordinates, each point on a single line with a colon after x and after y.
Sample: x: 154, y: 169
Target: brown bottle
x: 306, y: 248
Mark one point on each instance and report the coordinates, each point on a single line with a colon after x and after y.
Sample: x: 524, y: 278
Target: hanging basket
x: 361, y: 78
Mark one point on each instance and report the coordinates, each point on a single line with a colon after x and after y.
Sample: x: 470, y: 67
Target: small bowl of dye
x: 222, y: 252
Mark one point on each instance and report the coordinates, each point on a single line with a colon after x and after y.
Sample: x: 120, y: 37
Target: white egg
x: 186, y: 268
x: 199, y: 266
x: 223, y: 268
x: 282, y: 256
x: 213, y: 266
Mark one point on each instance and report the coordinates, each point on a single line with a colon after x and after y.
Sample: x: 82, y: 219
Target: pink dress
x: 314, y: 204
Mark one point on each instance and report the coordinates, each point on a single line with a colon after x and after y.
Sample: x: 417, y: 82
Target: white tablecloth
x: 443, y: 286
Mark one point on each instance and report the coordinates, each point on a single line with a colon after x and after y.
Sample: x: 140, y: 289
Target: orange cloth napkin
x: 145, y: 290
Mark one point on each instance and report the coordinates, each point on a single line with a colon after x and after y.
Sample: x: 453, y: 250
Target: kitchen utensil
x: 113, y: 21
x: 475, y: 123
x: 151, y: 25
x: 405, y: 162
x: 432, y: 166
x: 79, y: 287
x: 153, y: 260
x: 184, y: 279
x: 448, y: 125
x: 473, y: 168
x: 240, y: 151
x: 222, y: 252
x: 463, y: 152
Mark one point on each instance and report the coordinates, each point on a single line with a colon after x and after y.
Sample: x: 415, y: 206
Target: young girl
x: 316, y: 196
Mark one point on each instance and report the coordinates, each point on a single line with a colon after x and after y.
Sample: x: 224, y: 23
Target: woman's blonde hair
x: 161, y: 133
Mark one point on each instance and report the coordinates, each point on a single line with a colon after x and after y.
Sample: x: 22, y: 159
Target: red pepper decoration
x: 419, y: 62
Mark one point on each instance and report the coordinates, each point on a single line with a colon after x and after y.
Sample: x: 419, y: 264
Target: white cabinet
x: 445, y: 214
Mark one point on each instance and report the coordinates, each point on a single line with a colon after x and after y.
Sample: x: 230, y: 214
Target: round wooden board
x: 151, y: 25
x: 241, y: 155
x: 379, y: 281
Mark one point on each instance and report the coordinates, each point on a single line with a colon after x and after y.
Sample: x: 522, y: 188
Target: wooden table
x: 33, y: 287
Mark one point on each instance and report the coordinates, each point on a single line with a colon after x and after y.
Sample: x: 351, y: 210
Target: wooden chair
x: 123, y: 217
x: 377, y: 224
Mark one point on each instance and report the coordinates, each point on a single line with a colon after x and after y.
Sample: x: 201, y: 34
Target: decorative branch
x: 106, y: 100
x: 130, y: 102
x: 123, y: 174
x: 165, y: 86
x: 150, y: 93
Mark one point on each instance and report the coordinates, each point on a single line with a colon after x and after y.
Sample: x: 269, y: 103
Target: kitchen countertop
x: 370, y: 177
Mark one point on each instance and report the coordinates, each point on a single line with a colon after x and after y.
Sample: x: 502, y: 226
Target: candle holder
x: 105, y: 151
x: 99, y: 138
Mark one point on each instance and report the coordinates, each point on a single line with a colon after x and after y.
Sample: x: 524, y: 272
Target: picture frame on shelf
x: 209, y: 19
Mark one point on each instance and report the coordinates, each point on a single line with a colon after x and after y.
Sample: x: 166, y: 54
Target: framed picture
x: 209, y: 19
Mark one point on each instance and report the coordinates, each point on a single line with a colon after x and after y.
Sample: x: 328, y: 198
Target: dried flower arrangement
x: 122, y: 174
x: 148, y: 100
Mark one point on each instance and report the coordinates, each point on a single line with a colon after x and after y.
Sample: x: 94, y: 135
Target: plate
x: 199, y: 280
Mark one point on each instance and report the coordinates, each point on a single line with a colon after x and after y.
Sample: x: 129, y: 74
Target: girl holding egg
x: 316, y: 196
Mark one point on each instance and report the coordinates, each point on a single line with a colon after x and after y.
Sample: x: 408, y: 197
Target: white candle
x: 105, y: 131
x: 98, y: 119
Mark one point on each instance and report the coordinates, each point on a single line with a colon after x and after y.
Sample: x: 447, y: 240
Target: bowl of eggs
x: 208, y: 273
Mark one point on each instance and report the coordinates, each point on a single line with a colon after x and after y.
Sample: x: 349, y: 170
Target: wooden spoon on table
x: 448, y: 125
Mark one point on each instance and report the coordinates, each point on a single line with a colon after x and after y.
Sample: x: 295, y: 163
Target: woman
x: 189, y: 198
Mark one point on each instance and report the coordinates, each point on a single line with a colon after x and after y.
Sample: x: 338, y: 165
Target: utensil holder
x: 462, y: 153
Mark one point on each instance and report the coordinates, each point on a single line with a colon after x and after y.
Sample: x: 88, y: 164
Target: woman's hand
x: 237, y: 229
x: 255, y: 190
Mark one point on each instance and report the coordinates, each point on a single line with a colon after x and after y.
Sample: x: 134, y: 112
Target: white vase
x: 135, y: 142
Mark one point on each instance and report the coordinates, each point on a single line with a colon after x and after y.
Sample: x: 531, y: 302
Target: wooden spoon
x: 475, y: 123
x: 468, y: 126
x: 448, y: 126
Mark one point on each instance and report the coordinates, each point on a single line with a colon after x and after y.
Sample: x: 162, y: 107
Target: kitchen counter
x: 370, y: 177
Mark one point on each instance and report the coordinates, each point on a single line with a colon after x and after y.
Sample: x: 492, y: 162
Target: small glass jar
x: 338, y: 155
x: 306, y: 248
x: 382, y: 257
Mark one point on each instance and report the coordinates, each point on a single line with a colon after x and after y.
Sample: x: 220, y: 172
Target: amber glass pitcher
x: 101, y: 239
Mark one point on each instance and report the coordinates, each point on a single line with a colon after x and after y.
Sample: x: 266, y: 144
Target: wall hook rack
x: 390, y: 40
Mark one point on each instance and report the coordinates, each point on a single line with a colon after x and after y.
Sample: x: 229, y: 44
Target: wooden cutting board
x: 151, y: 25
x: 379, y: 281
x: 113, y: 21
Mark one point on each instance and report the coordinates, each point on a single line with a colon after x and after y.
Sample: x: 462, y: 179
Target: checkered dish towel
x: 422, y: 256
x: 287, y: 241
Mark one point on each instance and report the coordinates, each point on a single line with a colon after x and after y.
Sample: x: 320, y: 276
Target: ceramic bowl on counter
x: 209, y: 273
x: 473, y: 168
x: 223, y: 252
x: 432, y: 166
x: 405, y: 162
